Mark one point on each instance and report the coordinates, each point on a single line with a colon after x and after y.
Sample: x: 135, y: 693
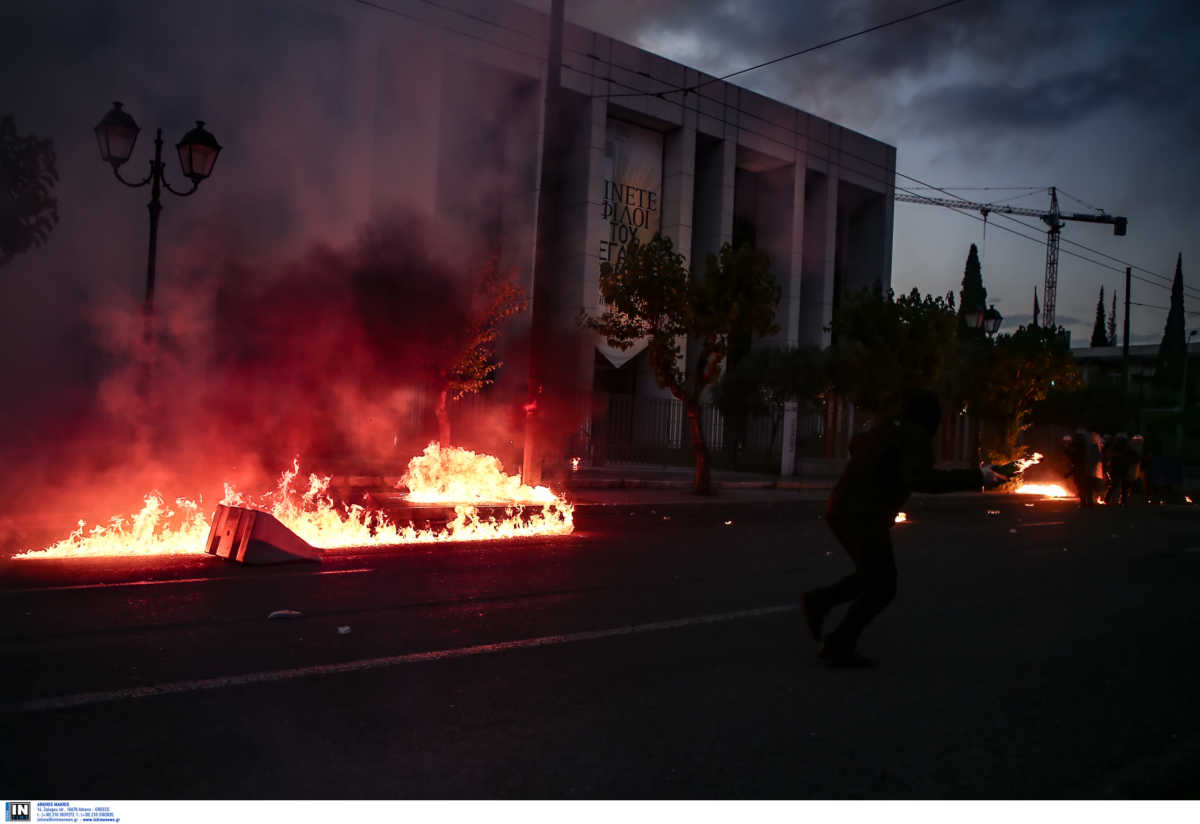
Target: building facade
x: 338, y: 115
x: 636, y: 156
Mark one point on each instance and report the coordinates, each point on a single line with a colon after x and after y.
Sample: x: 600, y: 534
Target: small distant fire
x: 447, y: 475
x: 901, y: 518
x: 575, y: 464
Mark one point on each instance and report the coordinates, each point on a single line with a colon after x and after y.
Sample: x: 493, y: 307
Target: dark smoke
x: 332, y: 358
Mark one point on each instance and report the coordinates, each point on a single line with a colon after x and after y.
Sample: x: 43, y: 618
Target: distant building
x: 1095, y: 361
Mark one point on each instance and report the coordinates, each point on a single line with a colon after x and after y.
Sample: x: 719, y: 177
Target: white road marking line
x: 117, y: 584
x: 366, y: 664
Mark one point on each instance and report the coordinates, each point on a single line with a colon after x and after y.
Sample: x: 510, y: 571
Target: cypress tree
x: 1036, y: 309
x: 1099, y: 335
x: 1173, y: 348
x: 973, y: 297
x: 1112, y: 321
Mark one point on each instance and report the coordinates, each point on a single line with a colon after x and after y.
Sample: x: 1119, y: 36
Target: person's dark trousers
x: 871, y: 586
x: 1087, y: 492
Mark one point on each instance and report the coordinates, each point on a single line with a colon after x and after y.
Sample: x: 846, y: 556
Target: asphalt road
x: 1033, y: 652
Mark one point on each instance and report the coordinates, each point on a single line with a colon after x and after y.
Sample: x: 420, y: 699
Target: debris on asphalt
x: 284, y: 613
x: 343, y: 630
x: 1013, y: 531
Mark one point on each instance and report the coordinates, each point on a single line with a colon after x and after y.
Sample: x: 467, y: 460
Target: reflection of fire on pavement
x: 453, y: 476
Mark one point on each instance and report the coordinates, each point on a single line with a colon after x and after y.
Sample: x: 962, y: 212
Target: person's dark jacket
x: 887, y: 464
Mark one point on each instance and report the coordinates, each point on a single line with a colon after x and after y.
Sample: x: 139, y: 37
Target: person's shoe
x: 840, y: 658
x: 813, y: 616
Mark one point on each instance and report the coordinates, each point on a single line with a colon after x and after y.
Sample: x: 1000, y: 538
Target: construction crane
x: 1052, y: 218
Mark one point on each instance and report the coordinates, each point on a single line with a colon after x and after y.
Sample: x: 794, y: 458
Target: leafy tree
x: 973, y: 297
x: 471, y: 363
x: 1101, y: 405
x: 1112, y: 322
x: 28, y: 210
x: 652, y: 295
x: 885, y: 344
x: 1099, y: 335
x: 768, y: 378
x: 1020, y: 372
x: 1173, y: 349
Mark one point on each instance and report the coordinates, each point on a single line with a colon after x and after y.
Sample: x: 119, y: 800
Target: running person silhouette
x: 887, y: 464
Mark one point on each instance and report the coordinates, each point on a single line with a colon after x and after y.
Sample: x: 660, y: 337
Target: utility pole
x: 544, y: 219
x: 1125, y: 334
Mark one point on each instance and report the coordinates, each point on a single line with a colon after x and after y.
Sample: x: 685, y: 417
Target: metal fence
x: 655, y: 430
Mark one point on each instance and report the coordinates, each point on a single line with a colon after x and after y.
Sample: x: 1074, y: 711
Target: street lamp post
x: 198, y: 151
x: 988, y: 321
x: 991, y: 320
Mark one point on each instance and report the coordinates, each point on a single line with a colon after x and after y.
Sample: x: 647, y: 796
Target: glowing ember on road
x: 1045, y: 490
x: 450, y: 475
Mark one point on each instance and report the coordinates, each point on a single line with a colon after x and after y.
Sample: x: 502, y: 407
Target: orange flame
x: 155, y: 530
x: 901, y: 518
x: 439, y: 475
x: 1025, y: 463
x: 1045, y: 490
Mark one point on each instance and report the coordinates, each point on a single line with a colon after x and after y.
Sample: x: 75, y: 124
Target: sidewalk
x: 615, y: 484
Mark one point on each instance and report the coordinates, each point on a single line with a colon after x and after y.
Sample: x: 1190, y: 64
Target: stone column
x: 791, y: 311
x: 679, y: 181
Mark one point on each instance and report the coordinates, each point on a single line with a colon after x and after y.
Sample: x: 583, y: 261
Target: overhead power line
x: 450, y: 29
x: 790, y: 55
x: 1166, y: 285
x: 891, y: 183
x: 696, y: 87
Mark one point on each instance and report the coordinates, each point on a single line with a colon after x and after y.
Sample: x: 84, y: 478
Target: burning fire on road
x: 449, y: 475
x: 1045, y: 490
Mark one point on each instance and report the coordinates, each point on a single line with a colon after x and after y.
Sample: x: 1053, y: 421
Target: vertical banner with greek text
x: 632, y: 202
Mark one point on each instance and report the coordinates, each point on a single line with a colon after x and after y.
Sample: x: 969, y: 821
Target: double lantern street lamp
x: 988, y: 320
x: 198, y: 151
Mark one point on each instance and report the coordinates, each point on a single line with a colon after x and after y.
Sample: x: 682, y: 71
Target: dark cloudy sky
x: 1099, y: 98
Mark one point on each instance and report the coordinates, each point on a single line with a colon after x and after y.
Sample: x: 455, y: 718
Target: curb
x: 686, y: 484
x: 390, y: 482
